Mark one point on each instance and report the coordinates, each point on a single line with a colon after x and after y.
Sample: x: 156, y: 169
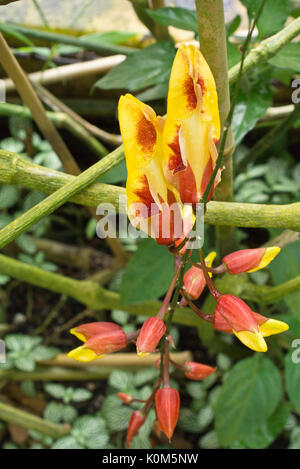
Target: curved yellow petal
x: 253, y: 340
x: 78, y: 335
x: 269, y: 255
x: 192, y: 119
x: 139, y: 129
x: 272, y: 326
x: 209, y: 260
x: 83, y: 354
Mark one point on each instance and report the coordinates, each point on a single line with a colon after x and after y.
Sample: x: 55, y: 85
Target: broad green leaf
x: 148, y: 273
x: 188, y: 421
x: 159, y: 91
x: 273, y: 17
x: 254, y: 99
x: 248, y: 397
x: 144, y: 68
x: 288, y: 57
x: 252, y: 6
x: 264, y: 435
x: 292, y: 375
x: 144, y: 376
x: 285, y: 267
x: 12, y: 144
x: 181, y: 18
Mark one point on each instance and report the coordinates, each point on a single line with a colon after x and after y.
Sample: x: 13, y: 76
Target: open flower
x: 99, y: 338
x: 169, y: 161
x: 233, y: 315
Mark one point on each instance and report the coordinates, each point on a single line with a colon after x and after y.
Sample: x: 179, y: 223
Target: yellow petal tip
x: 83, y: 354
x: 252, y: 340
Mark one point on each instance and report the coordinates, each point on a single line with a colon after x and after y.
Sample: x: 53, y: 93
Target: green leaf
x: 181, y: 18
x: 254, y: 99
x: 110, y: 37
x: 148, y: 273
x: 292, y: 375
x: 91, y: 432
x: 144, y: 376
x: 12, y: 144
x: 273, y: 17
x: 21, y: 342
x: 264, y: 435
x: 115, y: 175
x: 9, y: 196
x: 159, y: 91
x: 209, y: 441
x: 188, y: 421
x: 248, y: 397
x: 288, y: 57
x: 55, y: 390
x: 252, y: 6
x: 81, y: 394
x: 147, y: 67
x: 121, y: 380
x: 67, y: 442
x: 285, y: 267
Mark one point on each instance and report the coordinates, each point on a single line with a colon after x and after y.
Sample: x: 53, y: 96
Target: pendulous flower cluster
x: 170, y: 162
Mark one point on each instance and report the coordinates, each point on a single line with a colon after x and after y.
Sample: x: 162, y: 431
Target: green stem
x: 58, y: 198
x: 16, y: 170
x: 211, y: 26
x: 96, y: 297
x: 266, y: 49
x: 10, y: 414
x: 87, y: 44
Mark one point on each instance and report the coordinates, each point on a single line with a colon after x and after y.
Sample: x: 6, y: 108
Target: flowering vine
x: 172, y: 166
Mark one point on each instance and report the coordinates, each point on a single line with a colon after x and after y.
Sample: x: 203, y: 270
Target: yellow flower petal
x: 83, y: 354
x: 78, y: 335
x: 209, y: 260
x: 268, y: 256
x: 142, y: 354
x: 272, y: 326
x: 253, y: 340
x: 192, y: 118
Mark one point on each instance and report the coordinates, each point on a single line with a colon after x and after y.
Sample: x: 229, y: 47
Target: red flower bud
x: 137, y: 419
x: 194, y: 282
x: 100, y: 338
x: 167, y: 404
x: 126, y: 398
x: 249, y: 260
x: 151, y: 332
x: 197, y: 371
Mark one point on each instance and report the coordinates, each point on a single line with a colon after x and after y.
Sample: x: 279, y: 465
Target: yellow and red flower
x: 170, y: 160
x: 249, y: 260
x: 233, y: 315
x: 99, y: 338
